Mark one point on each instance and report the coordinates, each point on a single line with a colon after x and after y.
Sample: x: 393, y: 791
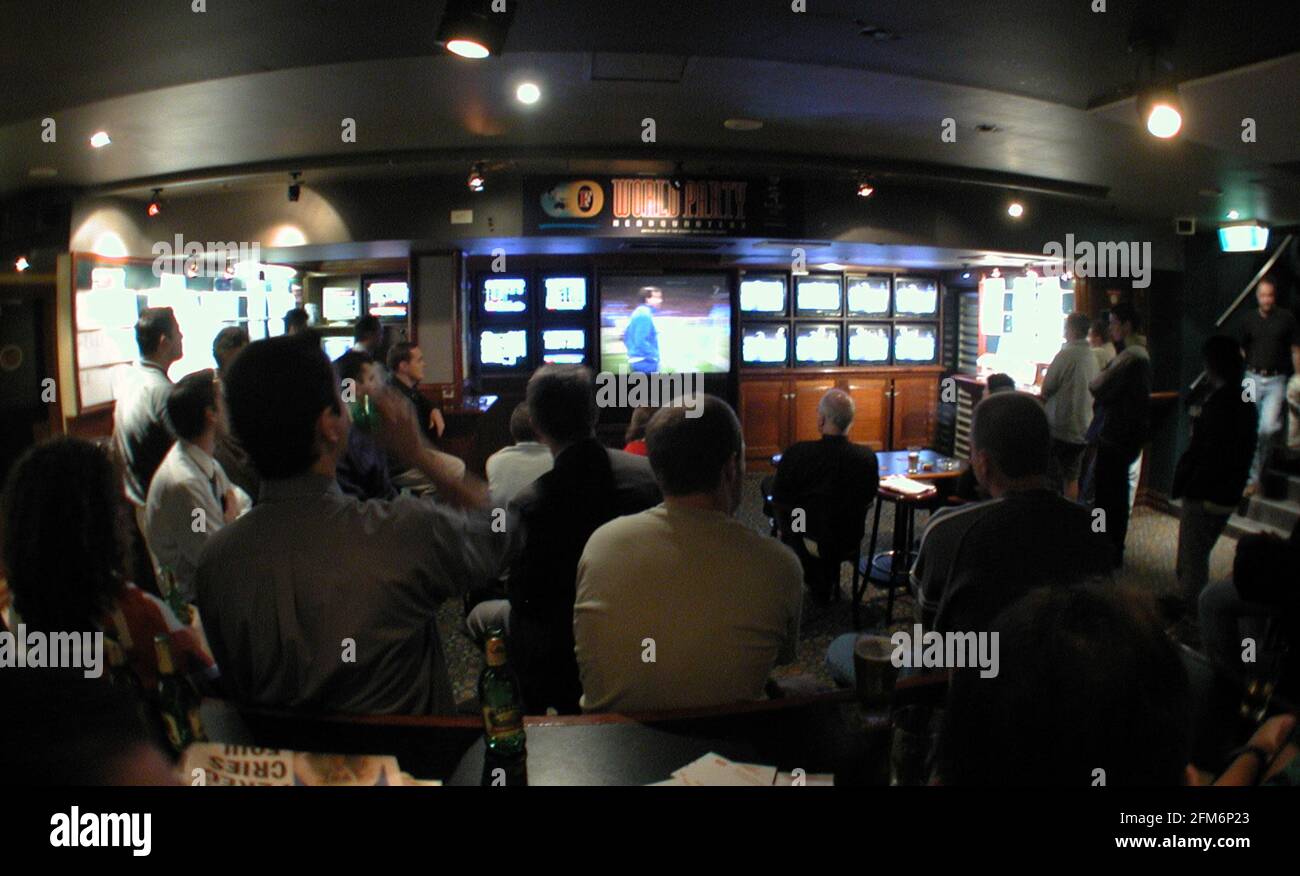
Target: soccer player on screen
x: 641, y: 336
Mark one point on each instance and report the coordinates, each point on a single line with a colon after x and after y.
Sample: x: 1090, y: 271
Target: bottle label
x: 496, y: 652
x: 502, y: 723
x: 174, y: 735
x: 196, y: 726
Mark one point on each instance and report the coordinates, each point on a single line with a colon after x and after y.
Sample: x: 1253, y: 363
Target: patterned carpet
x: 1149, y: 565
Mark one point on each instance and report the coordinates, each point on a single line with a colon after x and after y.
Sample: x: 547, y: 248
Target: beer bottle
x: 498, y: 694
x: 178, y: 701
x: 172, y: 596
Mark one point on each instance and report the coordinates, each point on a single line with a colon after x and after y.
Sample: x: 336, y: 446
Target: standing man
x: 367, y: 338
x: 238, y: 467
x: 1271, y: 344
x: 641, y: 336
x: 139, y: 431
x: 1099, y: 341
x: 1068, y: 403
x: 1123, y: 394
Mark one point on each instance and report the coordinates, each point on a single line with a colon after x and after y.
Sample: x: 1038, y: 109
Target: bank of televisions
x: 834, y: 319
x: 517, y: 326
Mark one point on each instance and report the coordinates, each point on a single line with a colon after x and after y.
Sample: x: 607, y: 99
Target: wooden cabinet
x: 894, y: 409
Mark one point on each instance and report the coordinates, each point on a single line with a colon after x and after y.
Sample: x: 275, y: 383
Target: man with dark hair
x: 1068, y: 404
x: 720, y: 601
x: 234, y: 461
x: 512, y: 468
x: 1270, y: 340
x: 1212, y: 473
x: 315, y: 600
x: 1027, y: 532
x: 367, y: 340
x: 1103, y: 349
x: 405, y: 374
x: 363, y: 469
x: 588, y: 486
x: 139, y: 434
x: 191, y: 497
x: 1087, y: 681
x: 832, y: 481
x: 1120, y: 422
x: 641, y: 336
x: 296, y: 320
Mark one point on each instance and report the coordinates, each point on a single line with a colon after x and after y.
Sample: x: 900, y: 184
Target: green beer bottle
x: 172, y: 596
x: 178, y: 701
x: 498, y: 693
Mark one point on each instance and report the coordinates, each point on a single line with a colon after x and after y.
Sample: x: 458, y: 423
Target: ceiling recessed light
x: 879, y: 34
x: 986, y: 128
x: 468, y: 49
x: 100, y: 139
x: 865, y: 189
x: 1015, y: 209
x: 21, y: 264
x: 528, y: 93
x: 742, y: 124
x: 831, y: 266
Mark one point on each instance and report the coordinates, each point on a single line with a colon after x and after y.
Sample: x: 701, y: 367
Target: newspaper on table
x: 213, y: 763
x: 714, y: 770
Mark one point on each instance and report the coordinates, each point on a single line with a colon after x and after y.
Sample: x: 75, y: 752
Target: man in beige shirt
x: 682, y: 605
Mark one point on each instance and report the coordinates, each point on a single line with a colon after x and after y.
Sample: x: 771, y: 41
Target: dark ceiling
x: 260, y: 84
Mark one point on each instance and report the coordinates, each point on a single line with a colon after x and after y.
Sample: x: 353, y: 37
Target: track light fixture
x: 155, y: 205
x: 476, y: 179
x: 295, y: 187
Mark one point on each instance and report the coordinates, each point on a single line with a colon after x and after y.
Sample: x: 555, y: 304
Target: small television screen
x: 335, y: 347
x: 868, y: 344
x: 340, y: 304
x: 564, y: 294
x: 868, y: 296
x: 916, y: 296
x: 564, y: 346
x: 503, y: 349
x: 763, y: 294
x: 671, y: 323
x: 916, y: 344
x: 765, y: 344
x: 817, y: 344
x: 388, y: 299
x: 818, y: 296
x: 504, y: 295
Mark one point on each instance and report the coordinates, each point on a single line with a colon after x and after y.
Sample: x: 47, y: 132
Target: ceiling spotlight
x: 476, y: 179
x: 100, y: 139
x: 528, y: 93
x: 21, y: 264
x: 155, y: 205
x: 295, y: 187
x: 1161, y: 111
x: 1015, y: 209
x: 1233, y: 214
x: 472, y: 29
x: 865, y: 189
x: 965, y: 275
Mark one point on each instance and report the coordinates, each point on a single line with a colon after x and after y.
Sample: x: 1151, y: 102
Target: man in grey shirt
x: 139, y: 431
x: 319, y: 601
x: 1069, y: 403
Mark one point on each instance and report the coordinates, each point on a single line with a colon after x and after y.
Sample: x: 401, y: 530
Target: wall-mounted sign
x: 644, y: 205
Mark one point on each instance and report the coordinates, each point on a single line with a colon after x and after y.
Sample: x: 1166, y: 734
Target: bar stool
x: 889, y: 569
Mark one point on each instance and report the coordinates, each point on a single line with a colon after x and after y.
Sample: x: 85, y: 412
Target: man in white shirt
x: 190, y: 497
x: 1069, y: 403
x: 682, y: 605
x: 512, y: 468
x: 141, y: 437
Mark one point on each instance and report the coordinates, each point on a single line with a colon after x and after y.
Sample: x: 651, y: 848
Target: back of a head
x: 229, y: 341
x: 351, y: 367
x: 275, y: 393
x: 295, y: 320
x: 1000, y: 382
x: 1223, y: 358
x: 562, y: 402
x: 688, y: 453
x: 1012, y: 428
x: 1077, y: 324
x: 838, y: 408
x: 188, y: 403
x: 152, y: 325
x: 1087, y: 680
x: 521, y: 424
x: 64, y: 535
x: 1100, y: 329
x: 1125, y: 312
x: 366, y: 327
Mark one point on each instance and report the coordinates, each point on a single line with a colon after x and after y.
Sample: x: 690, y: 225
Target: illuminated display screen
x: 818, y: 296
x: 817, y: 345
x: 340, y: 304
x: 563, y: 294
x: 764, y: 344
x: 916, y: 296
x: 868, y: 296
x: 503, y: 349
x: 762, y: 295
x: 388, y: 299
x: 915, y: 344
x: 505, y: 295
x: 868, y: 344
x: 564, y: 346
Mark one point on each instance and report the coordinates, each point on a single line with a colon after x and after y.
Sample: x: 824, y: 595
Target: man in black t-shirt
x: 1270, y: 342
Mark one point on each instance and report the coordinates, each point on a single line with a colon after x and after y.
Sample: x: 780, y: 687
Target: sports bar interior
x: 634, y: 393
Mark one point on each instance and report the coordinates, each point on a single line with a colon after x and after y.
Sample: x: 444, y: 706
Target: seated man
x: 363, y: 469
x: 405, y: 374
x: 512, y: 468
x: 315, y: 600
x: 190, y: 497
x: 589, y: 486
x: 1028, y: 532
x: 714, y: 603
x: 832, y: 481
